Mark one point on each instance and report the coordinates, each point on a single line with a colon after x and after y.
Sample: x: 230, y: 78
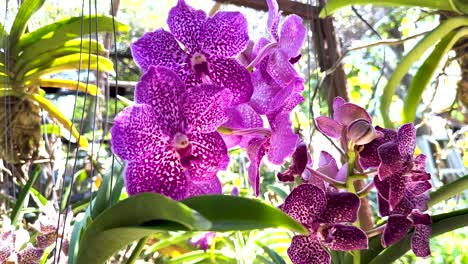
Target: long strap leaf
x: 3, y: 37
x: 27, y: 9
x: 403, y: 67
x: 57, y: 115
x: 335, y: 5
x: 426, y: 72
x: 448, y: 190
x: 91, y: 89
x: 24, y: 194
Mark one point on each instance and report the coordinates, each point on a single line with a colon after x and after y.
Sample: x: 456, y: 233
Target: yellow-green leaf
x: 71, y: 85
x: 28, y: 7
x: 57, y: 115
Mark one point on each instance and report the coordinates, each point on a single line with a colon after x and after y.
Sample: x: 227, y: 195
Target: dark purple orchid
x: 210, y: 45
x: 274, y: 78
x: 369, y: 156
x: 350, y: 123
x: 327, y: 216
x: 397, y: 163
x: 169, y: 136
x: 299, y: 161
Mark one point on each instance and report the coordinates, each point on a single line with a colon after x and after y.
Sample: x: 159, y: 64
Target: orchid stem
x: 336, y: 183
x: 366, y: 190
x: 137, y: 250
x: 375, y: 231
x: 350, y: 187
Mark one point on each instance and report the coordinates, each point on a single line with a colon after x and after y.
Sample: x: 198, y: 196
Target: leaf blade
x: 90, y: 89
x: 26, y: 10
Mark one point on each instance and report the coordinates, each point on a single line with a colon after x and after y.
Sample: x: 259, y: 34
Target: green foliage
x: 27, y: 9
x: 448, y: 190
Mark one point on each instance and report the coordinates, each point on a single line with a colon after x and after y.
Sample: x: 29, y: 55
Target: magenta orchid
x: 169, y: 136
x: 203, y: 241
x: 210, y: 43
x: 326, y: 215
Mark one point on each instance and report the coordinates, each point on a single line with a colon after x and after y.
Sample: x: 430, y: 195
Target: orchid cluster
x: 15, y: 246
x: 207, y: 88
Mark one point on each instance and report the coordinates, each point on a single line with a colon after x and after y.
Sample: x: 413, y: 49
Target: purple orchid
x: 203, y: 241
x: 11, y: 245
x: 397, y: 163
x: 299, y: 161
x: 169, y: 136
x: 350, y: 123
x: 210, y: 45
x: 369, y: 156
x: 243, y: 117
x: 274, y: 78
x: 326, y: 215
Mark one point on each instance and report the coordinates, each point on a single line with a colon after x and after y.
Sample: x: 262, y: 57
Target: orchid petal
x: 209, y: 155
x: 384, y: 207
x: 338, y: 102
x: 5, y: 251
x: 157, y: 48
x: 255, y: 151
x: 305, y: 203
x: 406, y: 139
x: 341, y: 207
x: 280, y: 69
x: 368, y: 157
x: 30, y: 254
x: 240, y: 117
x: 273, y: 18
x: 348, y: 112
x: 186, y: 23
x: 43, y: 241
x: 383, y: 187
x: 395, y: 230
x: 420, y: 241
x: 298, y: 163
x: 226, y: 34
x: 292, y: 35
x: 327, y: 164
x: 329, y: 126
x: 211, y: 186
x: 290, y: 103
x: 391, y: 162
x: 283, y: 140
x: 345, y: 238
x: 397, y: 189
x: 307, y: 250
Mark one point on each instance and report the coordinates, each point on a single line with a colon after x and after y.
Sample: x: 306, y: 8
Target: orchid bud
x: 361, y: 132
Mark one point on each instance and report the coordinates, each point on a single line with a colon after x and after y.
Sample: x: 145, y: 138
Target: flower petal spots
x: 157, y: 48
x: 280, y: 69
x: 395, y: 230
x: 368, y: 157
x: 307, y: 250
x: 420, y: 241
x: 5, y: 252
x: 348, y: 112
x: 384, y: 206
x: 43, y: 241
x: 283, y: 140
x: 341, y: 207
x: 204, y: 107
x: 397, y: 189
x: 406, y: 139
x: 163, y: 175
x: 228, y: 73
x: 292, y: 35
x: 30, y: 255
x: 135, y: 135
x: 209, y: 155
x: 329, y: 126
x: 273, y: 18
x: 255, y: 151
x: 211, y: 186
x: 391, y: 161
x: 226, y: 34
x: 298, y: 163
x: 161, y: 88
x: 241, y: 116
x: 345, y: 237
x: 187, y: 24
x: 305, y: 203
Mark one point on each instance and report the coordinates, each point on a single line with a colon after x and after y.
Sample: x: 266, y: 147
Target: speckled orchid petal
x: 391, y: 161
x: 135, y: 135
x: 283, y: 140
x: 30, y: 255
x: 419, y: 201
x: 298, y: 163
x: 404, y: 207
x: 161, y: 88
x: 368, y: 157
x: 397, y: 189
x: 280, y: 69
x: 420, y: 241
x: 345, y: 237
x: 204, y: 107
x: 348, y: 112
x: 209, y: 155
x: 341, y: 207
x: 246, y: 56
x: 273, y: 18
x: 5, y: 251
x: 43, y: 241
x: 157, y: 48
x: 240, y: 117
x: 307, y: 250
x: 226, y: 34
x: 419, y: 163
x: 406, y: 139
x: 228, y: 73
x: 164, y: 175
x: 395, y: 230
x: 187, y: 25
x: 418, y: 188
x: 305, y: 203
x: 255, y: 151
x: 292, y: 35
x: 384, y: 207
x: 210, y: 186
x: 383, y: 187
x: 290, y: 103
x: 329, y: 126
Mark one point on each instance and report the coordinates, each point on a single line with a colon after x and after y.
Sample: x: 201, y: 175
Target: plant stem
x: 375, y: 231
x: 137, y: 250
x: 336, y: 183
x: 366, y: 190
x: 449, y: 190
x: 350, y: 187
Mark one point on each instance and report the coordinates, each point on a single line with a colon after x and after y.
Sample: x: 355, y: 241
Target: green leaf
x: 441, y: 224
x: 218, y: 256
x: 460, y: 5
x: 334, y: 5
x: 55, y: 35
x: 37, y: 58
x: 91, y: 89
x: 275, y: 257
x: 426, y: 72
x: 403, y: 67
x: 448, y: 190
x: 40, y: 199
x: 172, y: 240
x: 27, y: 9
x: 69, y: 62
x: 55, y: 113
x: 24, y: 194
x: 238, y: 213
